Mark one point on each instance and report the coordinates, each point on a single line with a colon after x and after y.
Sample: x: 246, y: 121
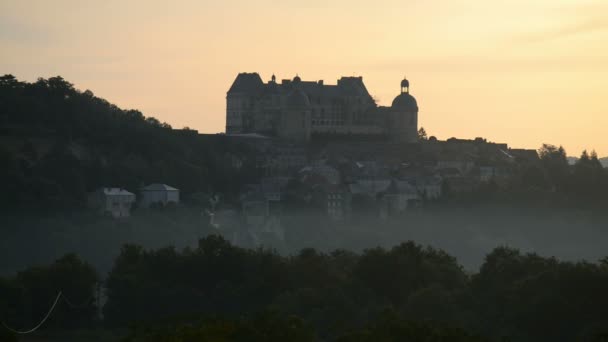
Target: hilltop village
x: 332, y: 149
x: 329, y: 150
x: 290, y: 147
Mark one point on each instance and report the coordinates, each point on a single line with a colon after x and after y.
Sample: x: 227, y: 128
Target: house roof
x: 158, y: 187
x: 115, y: 192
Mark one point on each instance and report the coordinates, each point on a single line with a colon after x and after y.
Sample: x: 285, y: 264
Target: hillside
x: 57, y: 143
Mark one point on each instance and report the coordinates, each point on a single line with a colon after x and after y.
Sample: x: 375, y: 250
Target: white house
x: 158, y: 193
x: 398, y: 196
x: 115, y: 202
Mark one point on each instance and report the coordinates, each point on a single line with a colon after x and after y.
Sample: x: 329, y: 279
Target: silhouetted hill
x: 604, y: 161
x: 57, y: 143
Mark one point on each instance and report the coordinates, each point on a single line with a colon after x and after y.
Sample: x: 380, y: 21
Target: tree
x: 422, y: 134
x: 27, y: 297
x: 555, y: 163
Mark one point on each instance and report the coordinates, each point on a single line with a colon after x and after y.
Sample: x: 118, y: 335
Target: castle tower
x: 296, y: 119
x: 240, y: 102
x: 402, y: 123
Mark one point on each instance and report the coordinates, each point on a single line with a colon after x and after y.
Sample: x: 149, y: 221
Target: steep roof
x: 158, y: 187
x: 249, y: 83
x: 352, y: 86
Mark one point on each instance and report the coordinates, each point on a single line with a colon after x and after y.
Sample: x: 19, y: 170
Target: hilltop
x: 57, y: 143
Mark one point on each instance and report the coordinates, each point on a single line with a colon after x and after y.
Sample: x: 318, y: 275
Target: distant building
x: 399, y: 196
x: 162, y: 194
x: 429, y: 188
x: 329, y: 173
x: 114, y: 202
x: 298, y: 110
x: 370, y: 187
x: 338, y: 201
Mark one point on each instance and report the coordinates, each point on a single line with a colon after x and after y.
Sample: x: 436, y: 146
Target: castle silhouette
x: 299, y: 110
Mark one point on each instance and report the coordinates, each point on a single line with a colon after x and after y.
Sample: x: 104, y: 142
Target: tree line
x: 217, y: 289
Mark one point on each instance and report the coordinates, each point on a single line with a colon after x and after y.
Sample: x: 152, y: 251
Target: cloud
x: 584, y: 27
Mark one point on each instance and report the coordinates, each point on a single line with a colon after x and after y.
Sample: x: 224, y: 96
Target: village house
x: 114, y: 202
x: 338, y: 201
x: 158, y: 194
x: 429, y: 188
x: 399, y: 196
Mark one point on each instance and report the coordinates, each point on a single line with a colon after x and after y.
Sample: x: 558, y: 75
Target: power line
x: 39, y: 324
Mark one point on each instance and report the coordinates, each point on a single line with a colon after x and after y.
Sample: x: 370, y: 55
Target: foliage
x: 408, y: 292
x: 523, y: 297
x: 58, y: 143
x: 391, y: 327
x: 26, y: 298
x: 262, y: 327
x: 422, y: 135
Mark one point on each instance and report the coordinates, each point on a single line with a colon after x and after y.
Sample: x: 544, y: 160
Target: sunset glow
x: 518, y: 72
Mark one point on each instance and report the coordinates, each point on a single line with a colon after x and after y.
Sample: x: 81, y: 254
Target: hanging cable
x: 39, y: 324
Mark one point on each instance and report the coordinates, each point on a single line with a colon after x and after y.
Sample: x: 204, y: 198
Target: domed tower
x: 296, y: 120
x: 403, y: 117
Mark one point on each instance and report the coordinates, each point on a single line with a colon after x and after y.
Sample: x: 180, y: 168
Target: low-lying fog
x: 466, y: 233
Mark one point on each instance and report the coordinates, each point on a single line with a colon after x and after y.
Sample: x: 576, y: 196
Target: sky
x: 522, y: 72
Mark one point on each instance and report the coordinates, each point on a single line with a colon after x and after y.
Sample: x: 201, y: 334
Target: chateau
x: 300, y: 110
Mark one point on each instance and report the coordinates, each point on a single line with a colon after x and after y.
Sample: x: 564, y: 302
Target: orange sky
x: 525, y: 72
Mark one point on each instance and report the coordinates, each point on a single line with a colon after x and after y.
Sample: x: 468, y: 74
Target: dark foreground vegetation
x: 221, y: 292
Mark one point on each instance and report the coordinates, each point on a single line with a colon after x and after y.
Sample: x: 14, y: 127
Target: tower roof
x: 247, y: 83
x: 405, y: 101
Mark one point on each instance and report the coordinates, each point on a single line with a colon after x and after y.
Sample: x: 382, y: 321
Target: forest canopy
x: 408, y: 291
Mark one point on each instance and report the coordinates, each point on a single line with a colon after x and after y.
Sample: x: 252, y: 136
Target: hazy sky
x: 523, y: 72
